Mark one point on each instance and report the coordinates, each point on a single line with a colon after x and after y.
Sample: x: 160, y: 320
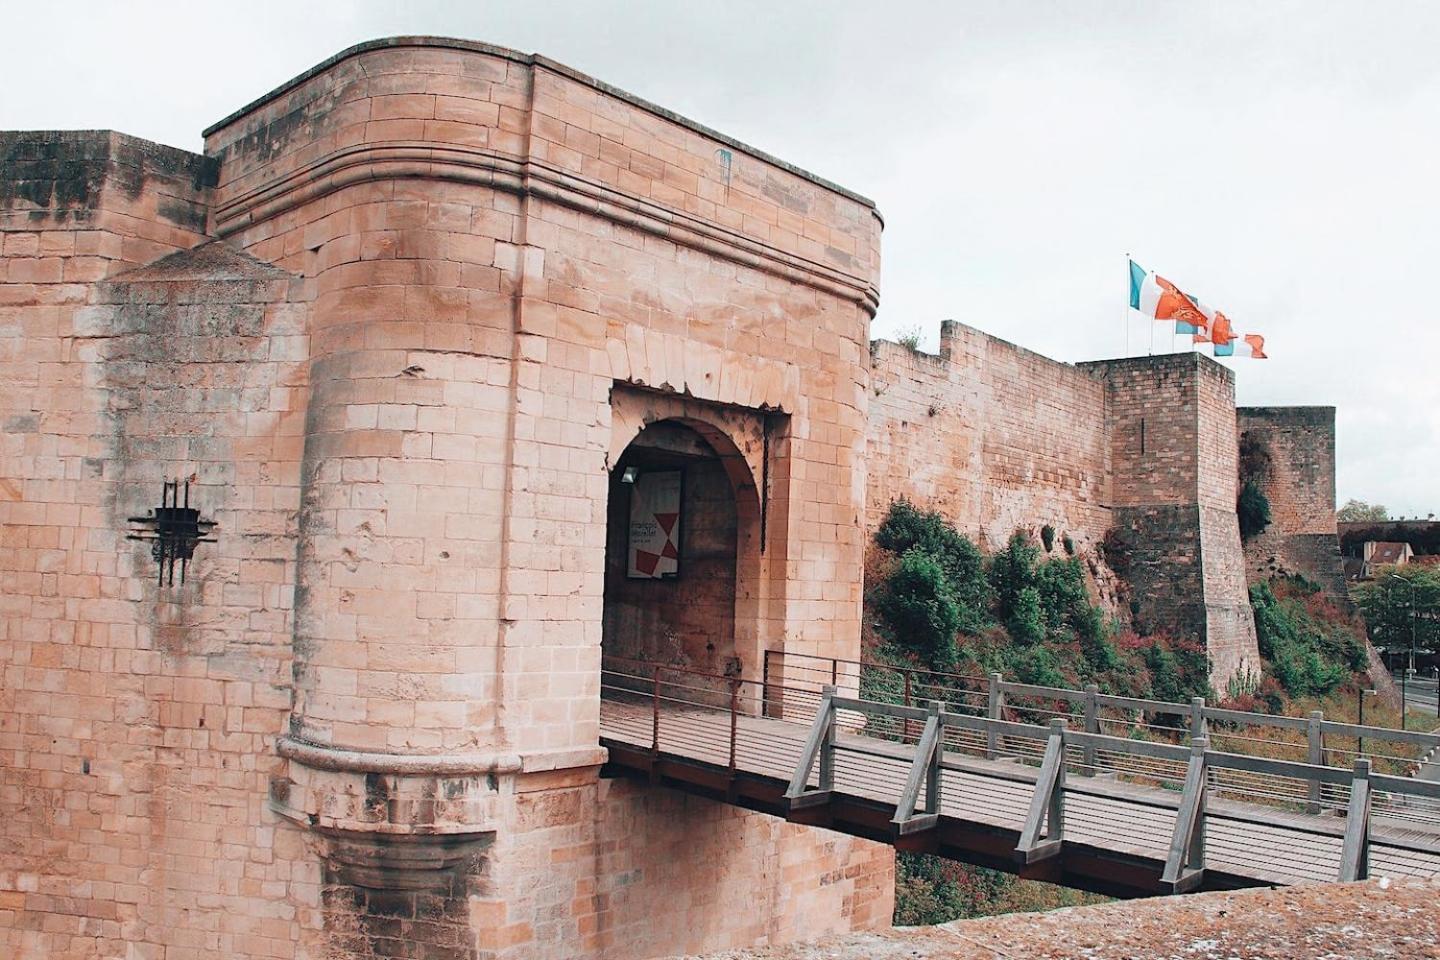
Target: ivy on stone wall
x: 1253, y: 510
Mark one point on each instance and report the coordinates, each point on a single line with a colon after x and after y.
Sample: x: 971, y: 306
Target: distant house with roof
x: 1383, y: 553
x: 1366, y: 546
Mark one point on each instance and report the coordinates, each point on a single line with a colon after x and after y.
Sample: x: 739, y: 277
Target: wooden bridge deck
x: 1116, y: 834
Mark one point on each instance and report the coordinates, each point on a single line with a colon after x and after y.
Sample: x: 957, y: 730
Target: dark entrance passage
x: 670, y: 555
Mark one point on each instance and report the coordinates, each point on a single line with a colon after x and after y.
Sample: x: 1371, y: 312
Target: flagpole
x: 1126, y: 312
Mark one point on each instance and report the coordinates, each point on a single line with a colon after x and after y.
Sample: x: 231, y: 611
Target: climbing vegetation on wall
x: 1253, y: 509
x: 935, y: 601
x: 1252, y: 506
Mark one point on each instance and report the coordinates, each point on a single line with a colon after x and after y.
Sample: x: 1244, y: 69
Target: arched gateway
x: 679, y: 513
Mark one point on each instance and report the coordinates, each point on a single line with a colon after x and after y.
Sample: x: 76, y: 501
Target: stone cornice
x: 338, y: 759
x: 341, y: 760
x: 533, y: 60
x: 399, y: 160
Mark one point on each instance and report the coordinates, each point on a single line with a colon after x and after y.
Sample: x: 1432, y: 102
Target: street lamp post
x: 1411, y: 585
x: 1360, y: 703
x: 1410, y: 665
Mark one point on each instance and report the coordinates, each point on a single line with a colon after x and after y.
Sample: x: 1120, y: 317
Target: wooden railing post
x: 932, y: 776
x: 905, y: 725
x: 1092, y: 725
x: 1185, y: 864
x: 1355, y: 854
x: 766, y: 685
x: 1315, y: 754
x: 827, y: 746
x: 1044, y: 829
x: 995, y: 705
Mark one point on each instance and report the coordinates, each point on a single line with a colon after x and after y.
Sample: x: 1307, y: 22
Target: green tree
x: 1385, y: 604
x: 907, y: 527
x: 1358, y: 511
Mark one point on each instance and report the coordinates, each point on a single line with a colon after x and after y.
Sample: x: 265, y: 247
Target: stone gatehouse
x: 323, y: 457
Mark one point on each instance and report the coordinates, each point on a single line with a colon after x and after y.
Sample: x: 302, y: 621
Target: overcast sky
x: 1277, y: 160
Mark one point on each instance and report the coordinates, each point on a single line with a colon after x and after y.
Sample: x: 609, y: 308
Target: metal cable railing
x: 1311, y: 739
x: 999, y: 759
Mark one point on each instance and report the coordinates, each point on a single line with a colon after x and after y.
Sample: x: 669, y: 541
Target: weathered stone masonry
x: 398, y: 328
x: 398, y: 324
x: 1295, y: 450
x: 1001, y: 439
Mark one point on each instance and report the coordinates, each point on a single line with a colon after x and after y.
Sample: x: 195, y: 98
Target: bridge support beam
x: 819, y: 745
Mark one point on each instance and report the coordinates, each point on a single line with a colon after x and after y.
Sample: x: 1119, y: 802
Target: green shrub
x: 1308, y: 656
x: 1178, y: 671
x: 1047, y: 537
x: 1039, y: 665
x: 1253, y: 510
x: 1027, y: 619
x: 906, y: 527
x: 1063, y: 597
x: 921, y: 607
x: 1095, y: 643
x: 1011, y: 571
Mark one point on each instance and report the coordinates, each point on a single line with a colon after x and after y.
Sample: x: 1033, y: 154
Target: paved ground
x: 1395, y: 920
x: 1420, y: 693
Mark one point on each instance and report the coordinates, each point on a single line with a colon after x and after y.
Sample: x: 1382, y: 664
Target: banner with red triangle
x: 654, y: 549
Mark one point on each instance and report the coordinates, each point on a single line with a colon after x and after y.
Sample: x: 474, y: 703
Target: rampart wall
x: 994, y: 436
x: 1294, y: 466
x: 1000, y: 439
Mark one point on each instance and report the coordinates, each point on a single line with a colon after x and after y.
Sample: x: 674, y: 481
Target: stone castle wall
x: 994, y: 436
x: 1296, y: 472
x: 367, y: 722
x: 1000, y: 439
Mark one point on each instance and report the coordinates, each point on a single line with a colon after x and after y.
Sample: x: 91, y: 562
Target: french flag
x: 1158, y: 298
x: 1243, y: 345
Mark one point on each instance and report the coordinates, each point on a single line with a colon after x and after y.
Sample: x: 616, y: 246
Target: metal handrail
x: 1091, y: 702
x: 684, y: 708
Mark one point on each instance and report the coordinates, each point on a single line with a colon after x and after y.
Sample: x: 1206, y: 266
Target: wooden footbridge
x: 1118, y: 795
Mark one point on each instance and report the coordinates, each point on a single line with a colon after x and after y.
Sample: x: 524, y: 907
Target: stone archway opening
x: 677, y: 532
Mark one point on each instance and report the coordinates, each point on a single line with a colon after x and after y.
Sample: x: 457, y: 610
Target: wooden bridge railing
x: 699, y: 716
x: 1043, y: 833
x: 1312, y: 738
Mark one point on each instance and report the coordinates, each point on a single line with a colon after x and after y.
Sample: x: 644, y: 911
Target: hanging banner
x: 654, y: 550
